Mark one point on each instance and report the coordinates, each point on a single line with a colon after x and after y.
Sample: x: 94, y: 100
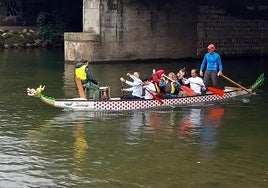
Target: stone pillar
x: 79, y: 46
x: 86, y: 44
x: 91, y: 16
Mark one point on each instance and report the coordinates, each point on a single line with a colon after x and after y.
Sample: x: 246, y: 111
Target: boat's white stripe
x: 115, y: 104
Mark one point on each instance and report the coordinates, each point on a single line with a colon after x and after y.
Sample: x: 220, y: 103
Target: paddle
x: 152, y: 93
x: 155, y: 96
x: 122, y: 87
x: 258, y: 82
x: 237, y: 84
x: 186, y: 89
x: 214, y: 90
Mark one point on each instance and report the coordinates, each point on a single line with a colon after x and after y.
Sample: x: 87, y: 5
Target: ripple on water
x: 19, y: 167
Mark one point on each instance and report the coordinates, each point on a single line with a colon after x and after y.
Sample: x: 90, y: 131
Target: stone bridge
x: 115, y: 30
x: 151, y: 29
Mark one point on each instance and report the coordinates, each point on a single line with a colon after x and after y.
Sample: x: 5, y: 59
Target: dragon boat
x: 116, y: 104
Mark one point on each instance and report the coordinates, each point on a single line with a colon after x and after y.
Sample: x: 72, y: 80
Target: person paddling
x: 149, y: 88
x: 182, y: 77
x: 136, y: 86
x: 157, y: 75
x: 196, y: 83
x: 171, y: 86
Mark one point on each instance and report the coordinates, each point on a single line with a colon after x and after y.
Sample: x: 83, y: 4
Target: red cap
x: 211, y: 47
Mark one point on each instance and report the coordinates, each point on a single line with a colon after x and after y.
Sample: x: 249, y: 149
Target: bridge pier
x: 85, y: 45
x: 130, y: 30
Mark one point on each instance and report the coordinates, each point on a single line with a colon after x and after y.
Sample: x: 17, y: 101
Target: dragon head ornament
x: 35, y: 92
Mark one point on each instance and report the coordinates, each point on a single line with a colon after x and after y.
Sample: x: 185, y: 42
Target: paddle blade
x: 216, y: 91
x: 258, y: 82
x: 187, y: 90
x: 156, y: 97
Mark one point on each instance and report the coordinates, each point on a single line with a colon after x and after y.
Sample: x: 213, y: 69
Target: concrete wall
x: 91, y: 16
x: 79, y: 46
x: 148, y: 29
x: 86, y: 44
x: 131, y: 29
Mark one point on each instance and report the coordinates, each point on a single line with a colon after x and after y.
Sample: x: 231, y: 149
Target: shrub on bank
x: 51, y: 27
x: 48, y: 32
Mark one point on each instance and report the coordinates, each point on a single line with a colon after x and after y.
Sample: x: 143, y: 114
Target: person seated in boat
x: 157, y: 75
x: 182, y: 79
x: 82, y: 71
x: 196, y: 83
x: 149, y: 88
x: 136, y: 86
x: 171, y: 86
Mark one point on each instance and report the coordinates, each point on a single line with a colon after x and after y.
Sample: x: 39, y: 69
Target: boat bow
x: 38, y: 93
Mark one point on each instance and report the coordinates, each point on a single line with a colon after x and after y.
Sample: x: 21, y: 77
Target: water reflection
x: 186, y: 124
x: 208, y: 139
x: 80, y: 144
x: 201, y: 118
x: 189, y: 123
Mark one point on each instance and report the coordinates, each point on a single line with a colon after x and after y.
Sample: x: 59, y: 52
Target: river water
x: 219, y: 145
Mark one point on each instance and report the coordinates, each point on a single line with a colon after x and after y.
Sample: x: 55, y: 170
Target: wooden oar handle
x: 122, y: 88
x: 237, y: 84
x: 168, y: 78
x: 141, y: 83
x: 136, y: 79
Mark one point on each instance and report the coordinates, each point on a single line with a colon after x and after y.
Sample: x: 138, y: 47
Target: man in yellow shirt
x: 82, y: 71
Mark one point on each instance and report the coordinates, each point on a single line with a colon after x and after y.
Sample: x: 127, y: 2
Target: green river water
x: 217, y: 145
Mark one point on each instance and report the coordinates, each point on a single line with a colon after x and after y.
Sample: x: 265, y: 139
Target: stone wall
x: 233, y: 36
x: 153, y: 29
x: 79, y: 46
x: 131, y: 29
x: 148, y: 29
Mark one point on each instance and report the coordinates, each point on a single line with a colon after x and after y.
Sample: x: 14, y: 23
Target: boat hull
x: 124, y: 105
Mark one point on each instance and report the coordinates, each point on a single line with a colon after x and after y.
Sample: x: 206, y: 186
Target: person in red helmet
x: 212, y: 66
x: 157, y: 75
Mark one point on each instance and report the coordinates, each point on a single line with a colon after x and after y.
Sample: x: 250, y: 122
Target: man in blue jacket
x: 212, y: 66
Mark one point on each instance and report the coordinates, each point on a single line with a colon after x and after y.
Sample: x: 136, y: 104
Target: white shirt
x: 196, y: 83
x: 136, y: 86
x: 151, y: 88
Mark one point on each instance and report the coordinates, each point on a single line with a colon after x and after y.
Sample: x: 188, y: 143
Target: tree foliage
x: 51, y: 27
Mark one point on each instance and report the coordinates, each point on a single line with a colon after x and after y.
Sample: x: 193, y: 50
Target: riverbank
x: 21, y: 37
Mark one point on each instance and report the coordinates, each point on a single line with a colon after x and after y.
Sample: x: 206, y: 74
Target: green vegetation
x: 48, y: 32
x: 51, y: 27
